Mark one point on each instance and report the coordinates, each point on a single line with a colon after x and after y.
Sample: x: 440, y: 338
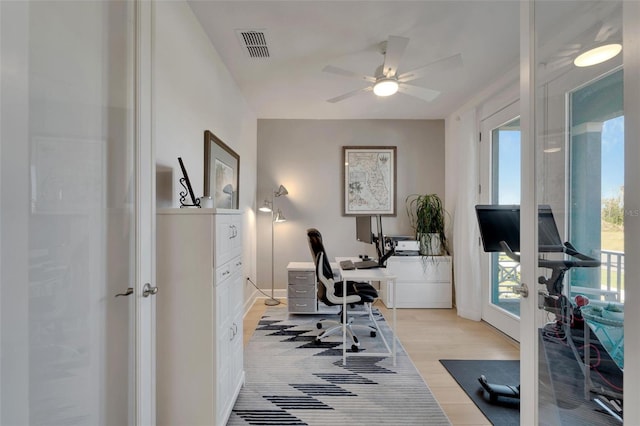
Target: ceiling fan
x: 387, y: 81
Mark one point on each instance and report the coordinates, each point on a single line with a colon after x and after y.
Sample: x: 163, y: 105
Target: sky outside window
x: 508, y: 167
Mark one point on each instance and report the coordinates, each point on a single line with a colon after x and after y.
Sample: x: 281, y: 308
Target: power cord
x: 260, y: 290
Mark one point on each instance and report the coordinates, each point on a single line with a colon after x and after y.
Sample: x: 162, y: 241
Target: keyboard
x: 347, y: 265
x: 366, y: 264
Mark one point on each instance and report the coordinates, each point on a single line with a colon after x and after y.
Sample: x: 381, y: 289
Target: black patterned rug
x: 291, y: 380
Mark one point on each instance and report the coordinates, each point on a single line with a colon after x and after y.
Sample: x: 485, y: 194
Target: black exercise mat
x: 506, y: 411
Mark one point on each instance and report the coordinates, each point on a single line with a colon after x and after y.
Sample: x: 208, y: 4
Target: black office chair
x: 331, y: 293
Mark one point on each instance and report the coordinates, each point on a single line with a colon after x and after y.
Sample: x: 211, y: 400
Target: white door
x: 500, y: 184
x: 75, y: 342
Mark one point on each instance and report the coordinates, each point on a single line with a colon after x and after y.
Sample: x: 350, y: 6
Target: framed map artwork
x: 369, y: 180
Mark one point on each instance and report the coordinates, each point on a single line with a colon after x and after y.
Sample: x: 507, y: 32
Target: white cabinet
x: 199, y: 315
x: 422, y: 282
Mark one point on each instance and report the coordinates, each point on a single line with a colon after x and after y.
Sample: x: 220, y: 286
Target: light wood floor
x: 429, y: 335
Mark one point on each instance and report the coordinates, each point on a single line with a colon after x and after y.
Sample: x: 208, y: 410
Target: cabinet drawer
x: 302, y: 305
x: 302, y: 291
x: 421, y: 269
x: 236, y: 264
x: 223, y: 272
x: 418, y: 295
x: 230, y: 268
x: 302, y: 277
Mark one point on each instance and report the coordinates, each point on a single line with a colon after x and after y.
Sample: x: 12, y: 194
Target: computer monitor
x: 502, y: 223
x: 363, y: 229
x: 365, y: 234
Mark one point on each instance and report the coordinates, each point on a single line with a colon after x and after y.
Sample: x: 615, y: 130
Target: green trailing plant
x: 427, y: 218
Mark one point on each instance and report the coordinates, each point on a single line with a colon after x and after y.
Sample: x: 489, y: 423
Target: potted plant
x: 427, y: 218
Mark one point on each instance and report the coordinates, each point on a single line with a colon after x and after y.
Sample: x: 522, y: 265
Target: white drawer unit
x: 199, y: 315
x: 422, y: 282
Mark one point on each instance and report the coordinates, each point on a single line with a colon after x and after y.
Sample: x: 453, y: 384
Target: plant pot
x: 430, y: 245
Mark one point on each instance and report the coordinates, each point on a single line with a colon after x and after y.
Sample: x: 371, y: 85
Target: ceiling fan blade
x: 349, y: 94
x: 605, y: 32
x: 346, y: 73
x: 393, y: 53
x: 423, y: 93
x: 443, y: 64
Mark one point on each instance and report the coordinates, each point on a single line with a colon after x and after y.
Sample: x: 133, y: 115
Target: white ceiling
x: 305, y: 36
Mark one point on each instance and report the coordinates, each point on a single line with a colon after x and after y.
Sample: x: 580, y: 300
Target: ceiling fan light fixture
x: 385, y: 87
x: 597, y: 55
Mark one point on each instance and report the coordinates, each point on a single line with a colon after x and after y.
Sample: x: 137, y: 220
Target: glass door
x: 500, y: 150
x: 72, y: 310
x: 573, y: 319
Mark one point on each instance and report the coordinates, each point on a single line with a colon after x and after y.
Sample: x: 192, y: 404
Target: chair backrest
x: 316, y: 246
x: 326, y: 283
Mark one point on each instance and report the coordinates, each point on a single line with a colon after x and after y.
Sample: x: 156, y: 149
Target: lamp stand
x: 272, y: 301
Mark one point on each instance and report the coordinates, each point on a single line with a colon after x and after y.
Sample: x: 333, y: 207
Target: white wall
x: 306, y: 157
x: 462, y: 133
x: 194, y: 92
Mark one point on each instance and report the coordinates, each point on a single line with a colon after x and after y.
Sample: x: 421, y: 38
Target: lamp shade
x: 266, y: 207
x: 281, y: 191
x: 279, y: 217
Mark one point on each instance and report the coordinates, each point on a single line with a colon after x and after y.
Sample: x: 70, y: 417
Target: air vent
x: 255, y: 43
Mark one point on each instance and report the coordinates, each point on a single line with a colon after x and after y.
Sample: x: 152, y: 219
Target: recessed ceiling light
x: 597, y: 55
x: 385, y: 87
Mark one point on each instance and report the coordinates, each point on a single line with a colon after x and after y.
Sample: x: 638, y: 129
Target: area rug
x: 292, y: 380
x: 505, y: 411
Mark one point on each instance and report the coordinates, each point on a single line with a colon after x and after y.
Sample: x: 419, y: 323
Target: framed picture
x: 369, y: 180
x: 221, y: 172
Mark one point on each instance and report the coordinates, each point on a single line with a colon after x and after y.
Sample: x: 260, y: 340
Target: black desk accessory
x: 186, y: 184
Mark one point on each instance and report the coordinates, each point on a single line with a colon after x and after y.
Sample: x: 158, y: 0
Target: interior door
x: 572, y: 350
x: 500, y: 184
x: 73, y: 316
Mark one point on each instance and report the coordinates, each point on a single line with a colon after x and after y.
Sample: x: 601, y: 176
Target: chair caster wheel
x: 317, y: 341
x: 319, y: 325
x: 354, y: 348
x: 373, y: 334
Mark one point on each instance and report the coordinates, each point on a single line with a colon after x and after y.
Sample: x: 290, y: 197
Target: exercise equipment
x: 500, y: 232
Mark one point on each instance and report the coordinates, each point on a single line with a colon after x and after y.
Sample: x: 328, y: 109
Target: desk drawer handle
x: 303, y: 277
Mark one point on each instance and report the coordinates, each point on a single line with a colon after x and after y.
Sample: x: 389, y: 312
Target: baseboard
x: 280, y: 294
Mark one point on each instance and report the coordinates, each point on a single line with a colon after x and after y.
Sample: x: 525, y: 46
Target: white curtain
x: 468, y: 284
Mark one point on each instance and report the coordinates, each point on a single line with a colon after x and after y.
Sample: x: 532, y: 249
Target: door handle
x: 126, y: 293
x: 147, y: 290
x: 522, y: 290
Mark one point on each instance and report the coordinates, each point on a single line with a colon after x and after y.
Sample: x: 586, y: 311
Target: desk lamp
x: 268, y: 207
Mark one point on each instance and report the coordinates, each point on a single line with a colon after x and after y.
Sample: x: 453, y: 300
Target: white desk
x: 374, y: 274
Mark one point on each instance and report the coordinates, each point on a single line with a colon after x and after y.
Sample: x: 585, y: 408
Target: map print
x: 369, y: 186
